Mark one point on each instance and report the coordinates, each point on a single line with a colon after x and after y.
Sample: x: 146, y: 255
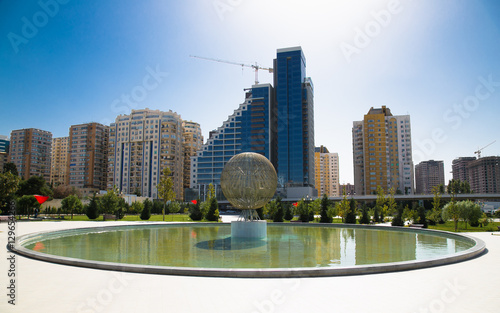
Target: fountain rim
x: 296, y: 272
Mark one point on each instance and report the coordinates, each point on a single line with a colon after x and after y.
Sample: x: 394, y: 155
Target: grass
x: 153, y: 218
x: 450, y: 226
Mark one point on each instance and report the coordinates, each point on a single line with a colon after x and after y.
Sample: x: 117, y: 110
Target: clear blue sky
x: 77, y: 62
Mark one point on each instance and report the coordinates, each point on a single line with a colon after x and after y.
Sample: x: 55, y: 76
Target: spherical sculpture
x: 248, y: 181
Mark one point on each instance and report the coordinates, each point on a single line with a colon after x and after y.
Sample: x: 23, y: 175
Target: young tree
x: 146, y: 210
x: 380, y: 205
x: 109, y: 202
x: 166, y: 188
x: 135, y: 208
x: 278, y: 217
x: 70, y: 203
x: 451, y: 211
x: 26, y: 203
x: 351, y: 214
x: 92, y: 210
x: 324, y: 210
x: 398, y: 217
x: 422, y: 219
x: 434, y: 216
x: 288, y: 212
x: 303, y: 209
x: 195, y: 211
x: 213, y: 210
x: 343, y: 207
x: 174, y: 207
x: 9, y: 184
x: 470, y: 212
x: 365, y: 217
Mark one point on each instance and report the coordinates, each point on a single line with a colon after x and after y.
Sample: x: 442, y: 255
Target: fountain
x: 248, y: 182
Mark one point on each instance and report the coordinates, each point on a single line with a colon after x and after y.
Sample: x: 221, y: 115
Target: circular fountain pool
x: 289, y: 251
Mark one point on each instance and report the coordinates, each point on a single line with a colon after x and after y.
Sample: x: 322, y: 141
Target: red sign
x: 194, y: 202
x: 295, y: 204
x: 41, y: 199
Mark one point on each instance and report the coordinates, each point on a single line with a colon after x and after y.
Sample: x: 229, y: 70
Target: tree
x: 62, y: 191
x: 10, y: 167
x: 451, y: 211
x: 92, y: 210
x: 303, y: 209
x: 146, y: 209
x: 35, y: 185
x: 166, y: 188
x: 343, y: 207
x: 422, y: 219
x: 174, y: 207
x: 434, y: 215
x: 9, y: 184
x: 470, y: 212
x: 278, y: 217
x: 391, y: 202
x: 456, y: 186
x: 195, y: 211
x: 213, y: 210
x: 136, y: 207
x: 71, y: 203
x: 324, y: 210
x: 351, y: 214
x: 110, y: 201
x: 26, y: 203
x: 365, y: 217
x: 398, y: 217
x: 380, y: 205
x: 288, y: 212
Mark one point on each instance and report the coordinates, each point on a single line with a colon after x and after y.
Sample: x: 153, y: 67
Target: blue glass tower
x: 295, y: 119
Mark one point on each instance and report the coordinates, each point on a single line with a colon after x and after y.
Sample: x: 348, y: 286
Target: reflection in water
x: 212, y: 246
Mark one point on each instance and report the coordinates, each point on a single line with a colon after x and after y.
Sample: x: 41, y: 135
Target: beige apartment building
x: 326, y: 172
x: 428, y: 174
x: 30, y: 151
x: 382, y: 152
x: 87, y: 154
x: 193, y: 141
x: 59, y: 161
x: 484, y: 175
x: 141, y: 145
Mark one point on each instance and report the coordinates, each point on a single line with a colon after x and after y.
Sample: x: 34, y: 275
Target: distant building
x: 327, y: 172
x: 459, y: 168
x: 4, y: 144
x: 427, y: 175
x: 59, y: 161
x: 193, y: 140
x: 30, y: 151
x: 88, y: 157
x: 484, y: 175
x: 348, y: 189
x: 382, y: 152
x: 141, y: 145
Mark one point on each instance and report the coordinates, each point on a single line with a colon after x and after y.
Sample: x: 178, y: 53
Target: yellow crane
x: 478, y: 152
x: 256, y: 67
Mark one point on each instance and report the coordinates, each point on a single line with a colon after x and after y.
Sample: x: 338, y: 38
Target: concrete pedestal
x: 249, y: 229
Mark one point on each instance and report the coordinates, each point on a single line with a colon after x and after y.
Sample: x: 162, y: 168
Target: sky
x: 67, y: 62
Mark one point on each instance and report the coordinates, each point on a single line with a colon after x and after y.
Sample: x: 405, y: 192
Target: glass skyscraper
x: 295, y: 119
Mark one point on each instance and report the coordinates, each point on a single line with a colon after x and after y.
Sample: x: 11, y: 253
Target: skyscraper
x: 4, y: 150
x: 59, y: 161
x: 30, y: 151
x: 141, y: 145
x: 88, y: 157
x: 484, y: 175
x: 327, y: 172
x: 193, y: 140
x: 427, y: 175
x: 459, y: 168
x: 295, y: 119
x: 382, y: 152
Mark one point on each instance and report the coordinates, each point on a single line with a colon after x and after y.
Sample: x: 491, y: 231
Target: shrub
x: 365, y: 217
x: 146, y: 211
x: 92, y: 210
x: 213, y: 211
x: 288, y: 213
x: 195, y: 211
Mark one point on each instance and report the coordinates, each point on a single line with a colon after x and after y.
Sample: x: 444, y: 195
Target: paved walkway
x: 471, y: 286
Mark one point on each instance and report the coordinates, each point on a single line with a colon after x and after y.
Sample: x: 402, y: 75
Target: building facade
x: 484, y: 175
x: 59, y: 161
x: 295, y: 119
x: 459, y: 168
x: 30, y: 151
x: 327, y: 172
x: 428, y: 174
x: 382, y: 153
x: 4, y: 151
x: 193, y: 141
x: 87, y: 154
x: 141, y: 145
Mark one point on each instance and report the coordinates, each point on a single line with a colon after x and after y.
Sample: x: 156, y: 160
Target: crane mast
x: 478, y: 152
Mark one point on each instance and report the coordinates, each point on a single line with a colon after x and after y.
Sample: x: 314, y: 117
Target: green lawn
x: 450, y: 226
x: 154, y: 218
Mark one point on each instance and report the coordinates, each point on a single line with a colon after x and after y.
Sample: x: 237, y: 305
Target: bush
x: 146, y: 211
x: 278, y: 216
x: 288, y: 213
x: 398, y: 218
x: 213, y: 211
x: 195, y: 212
x: 92, y: 210
x: 365, y: 217
x: 324, y: 210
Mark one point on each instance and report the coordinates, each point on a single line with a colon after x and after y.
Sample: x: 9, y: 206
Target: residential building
x: 193, y: 141
x: 249, y: 129
x: 30, y: 151
x: 59, y: 161
x: 382, y: 152
x: 484, y: 175
x: 87, y: 154
x: 295, y: 119
x: 4, y: 143
x: 348, y: 189
x: 428, y: 174
x: 327, y: 172
x: 141, y: 145
x: 459, y: 168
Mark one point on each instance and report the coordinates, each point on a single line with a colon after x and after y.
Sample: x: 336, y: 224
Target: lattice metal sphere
x: 248, y: 181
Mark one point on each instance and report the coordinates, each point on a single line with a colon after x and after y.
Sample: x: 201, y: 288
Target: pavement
x: 470, y: 286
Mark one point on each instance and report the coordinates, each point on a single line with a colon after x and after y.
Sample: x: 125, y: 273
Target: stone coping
x: 473, y: 252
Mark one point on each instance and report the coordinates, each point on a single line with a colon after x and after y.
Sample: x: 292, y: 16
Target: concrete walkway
x: 471, y: 286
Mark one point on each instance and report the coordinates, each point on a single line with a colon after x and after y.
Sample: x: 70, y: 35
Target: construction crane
x: 256, y: 67
x: 478, y: 152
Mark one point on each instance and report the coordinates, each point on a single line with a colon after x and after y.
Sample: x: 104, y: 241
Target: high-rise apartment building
x: 484, y: 175
x: 295, y: 119
x: 30, y: 151
x: 4, y: 150
x: 459, y: 168
x: 382, y: 152
x: 428, y: 174
x: 327, y: 172
x: 141, y: 145
x: 193, y: 141
x: 249, y: 129
x: 87, y: 154
x: 59, y: 161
